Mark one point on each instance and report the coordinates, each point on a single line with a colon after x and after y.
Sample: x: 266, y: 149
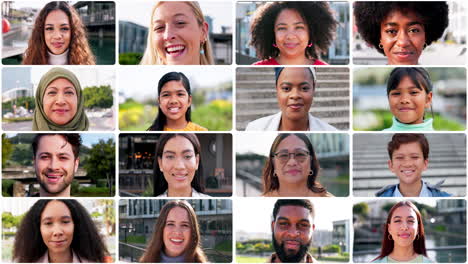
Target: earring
x: 417, y: 236
x: 275, y: 175
x: 389, y: 237
x: 274, y: 45
x: 202, y: 51
x: 425, y: 45
x: 380, y: 46
x: 310, y: 45
x: 311, y: 173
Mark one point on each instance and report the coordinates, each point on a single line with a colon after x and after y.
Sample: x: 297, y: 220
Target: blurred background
x: 137, y: 218
x: 447, y: 161
x: 370, y: 101
x: 137, y: 157
x: 211, y: 96
x: 332, y: 150
x: 98, y: 18
x: 102, y: 212
x: 444, y: 228
x: 95, y: 176
x: 256, y: 95
x: 330, y: 240
x: 19, y: 85
x: 338, y: 52
x: 135, y: 17
x: 451, y: 44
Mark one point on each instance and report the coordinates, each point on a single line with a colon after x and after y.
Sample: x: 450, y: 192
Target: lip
x: 53, y: 177
x: 291, y: 45
x: 293, y: 172
x: 58, y: 243
x: 58, y: 45
x: 175, y: 50
x: 180, y: 177
x: 174, y: 110
x: 406, y: 109
x: 295, y: 107
x: 292, y: 244
x: 176, y: 241
x: 404, y: 235
x: 60, y: 111
x: 407, y: 172
x: 403, y: 54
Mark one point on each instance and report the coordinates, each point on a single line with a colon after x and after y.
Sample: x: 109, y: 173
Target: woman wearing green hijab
x: 59, y: 103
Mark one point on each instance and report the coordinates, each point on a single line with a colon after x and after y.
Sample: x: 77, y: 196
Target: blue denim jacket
x: 388, y: 190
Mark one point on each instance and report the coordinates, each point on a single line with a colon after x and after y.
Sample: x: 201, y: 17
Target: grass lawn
x: 246, y: 259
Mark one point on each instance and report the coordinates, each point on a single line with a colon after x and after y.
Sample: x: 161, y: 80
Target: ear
x: 390, y: 165
x: 198, y: 160
x: 313, y: 227
x: 205, y: 30
x: 429, y: 100
x: 160, y: 164
x: 426, y: 163
x: 272, y: 226
x: 190, y: 100
x: 77, y: 164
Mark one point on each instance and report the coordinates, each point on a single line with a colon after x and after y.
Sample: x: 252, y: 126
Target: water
x: 103, y: 49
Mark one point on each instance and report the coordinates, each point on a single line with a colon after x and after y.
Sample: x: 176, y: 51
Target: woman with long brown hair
x: 404, y: 239
x: 58, y: 37
x: 176, y: 236
x: 294, y: 176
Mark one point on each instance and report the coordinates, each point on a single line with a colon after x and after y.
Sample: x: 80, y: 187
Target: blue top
x: 398, y: 126
x: 387, y: 259
x: 434, y: 189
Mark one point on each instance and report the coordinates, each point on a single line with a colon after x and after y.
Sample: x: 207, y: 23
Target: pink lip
x: 53, y: 178
x: 291, y: 45
x: 291, y: 244
x: 403, y: 54
x: 405, y: 235
x: 293, y: 172
x: 295, y: 106
x: 58, y: 243
x: 176, y: 53
x: 60, y: 111
x: 57, y: 45
x: 405, y: 109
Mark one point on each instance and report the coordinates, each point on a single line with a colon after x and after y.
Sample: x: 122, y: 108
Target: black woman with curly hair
x: 401, y: 30
x: 292, y: 33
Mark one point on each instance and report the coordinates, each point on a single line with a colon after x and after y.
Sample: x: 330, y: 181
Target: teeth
x: 175, y: 48
x: 176, y: 240
x: 174, y: 109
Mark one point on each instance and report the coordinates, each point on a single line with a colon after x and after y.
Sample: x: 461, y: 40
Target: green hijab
x: 41, y: 122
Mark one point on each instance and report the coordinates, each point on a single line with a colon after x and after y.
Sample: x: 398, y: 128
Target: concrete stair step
x: 254, y: 76
x: 364, y: 166
x: 438, y: 172
x: 377, y: 184
x: 247, y: 84
x: 271, y: 93
x: 456, y: 191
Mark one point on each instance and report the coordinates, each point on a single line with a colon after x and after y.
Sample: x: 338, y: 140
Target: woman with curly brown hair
x: 401, y: 30
x: 293, y: 33
x: 58, y: 38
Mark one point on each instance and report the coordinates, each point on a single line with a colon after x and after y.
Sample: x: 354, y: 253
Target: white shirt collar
x: 60, y: 59
x: 424, y: 191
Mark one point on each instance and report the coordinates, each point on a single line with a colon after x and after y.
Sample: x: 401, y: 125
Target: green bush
x: 7, y: 187
x: 215, y: 116
x: 130, y: 58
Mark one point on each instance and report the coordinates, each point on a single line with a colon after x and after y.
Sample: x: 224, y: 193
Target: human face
x: 292, y: 171
x: 292, y: 232
x: 408, y: 102
x: 55, y: 165
x: 60, y: 101
x: 408, y: 163
x: 57, y: 32
x: 57, y: 227
x: 403, y: 226
x: 295, y: 93
x: 179, y: 163
x: 177, y: 35
x: 291, y: 34
x: 174, y: 101
x: 402, y: 36
x: 177, y: 232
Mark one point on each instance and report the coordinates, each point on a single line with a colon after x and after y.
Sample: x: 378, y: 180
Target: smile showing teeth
x: 407, y: 172
x: 177, y: 240
x: 174, y: 109
x: 173, y: 49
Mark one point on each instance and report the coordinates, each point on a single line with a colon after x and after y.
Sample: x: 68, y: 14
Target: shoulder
x: 381, y: 260
x: 198, y: 194
x: 270, y: 61
x: 386, y: 191
x: 426, y: 259
x: 194, y: 127
x: 319, y: 62
x: 264, y: 123
x: 316, y: 124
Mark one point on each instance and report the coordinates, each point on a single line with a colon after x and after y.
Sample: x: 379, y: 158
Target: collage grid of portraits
x: 236, y: 221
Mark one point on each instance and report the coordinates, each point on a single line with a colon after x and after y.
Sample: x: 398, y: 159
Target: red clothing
x: 272, y: 61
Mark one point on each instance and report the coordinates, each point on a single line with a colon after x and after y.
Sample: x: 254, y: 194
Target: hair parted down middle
x: 79, y: 51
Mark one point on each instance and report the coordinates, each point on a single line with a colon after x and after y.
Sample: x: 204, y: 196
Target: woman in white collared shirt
x: 295, y: 88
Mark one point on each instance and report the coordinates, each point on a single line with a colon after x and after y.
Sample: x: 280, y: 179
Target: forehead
x: 178, y: 213
x: 54, y: 144
x: 409, y: 148
x: 60, y: 83
x: 57, y: 16
x: 55, y: 208
x: 289, y: 15
x: 402, y: 16
x: 291, y: 142
x: 295, y: 74
x: 178, y: 143
x: 294, y: 213
x: 172, y: 86
x: 167, y: 10
x: 404, y: 212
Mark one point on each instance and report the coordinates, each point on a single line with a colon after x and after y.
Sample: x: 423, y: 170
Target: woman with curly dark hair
x: 59, y: 231
x: 401, y: 30
x: 293, y: 33
x: 58, y: 37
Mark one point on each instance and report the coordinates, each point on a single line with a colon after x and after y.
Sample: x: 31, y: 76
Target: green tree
x: 27, y: 102
x: 22, y: 154
x: 9, y: 220
x: 109, y: 215
x: 7, y: 150
x: 98, y: 97
x: 100, y: 162
x: 361, y: 209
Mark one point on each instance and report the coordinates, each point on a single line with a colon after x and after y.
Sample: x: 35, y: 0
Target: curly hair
x: 87, y: 243
x: 79, y: 51
x: 318, y: 16
x: 369, y: 15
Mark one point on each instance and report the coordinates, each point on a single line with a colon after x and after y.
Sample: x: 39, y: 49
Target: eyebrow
x: 397, y: 216
x: 66, y: 87
x: 173, y: 152
x: 177, y: 91
x: 61, y: 217
x: 63, y: 24
x: 394, y: 24
x: 280, y: 150
x: 59, y: 154
x: 302, y: 83
x: 295, y: 23
x: 173, y: 221
x: 176, y: 15
x: 287, y: 219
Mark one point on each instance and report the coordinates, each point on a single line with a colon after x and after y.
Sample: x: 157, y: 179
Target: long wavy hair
x: 160, y: 183
x: 151, y: 56
x: 79, y: 51
x: 29, y: 245
x: 270, y: 180
x: 419, y: 244
x: 161, y: 118
x: 194, y: 252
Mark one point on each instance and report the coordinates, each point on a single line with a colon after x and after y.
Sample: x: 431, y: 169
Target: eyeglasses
x: 299, y: 156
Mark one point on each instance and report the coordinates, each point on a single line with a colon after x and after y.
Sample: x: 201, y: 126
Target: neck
x: 297, y: 125
x: 296, y: 60
x: 177, y: 124
x: 400, y: 253
x: 410, y: 190
x: 183, y: 192
x: 64, y: 193
x: 62, y: 257
x: 391, y: 62
x: 293, y: 189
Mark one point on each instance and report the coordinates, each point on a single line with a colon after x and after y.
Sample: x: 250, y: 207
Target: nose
x: 179, y: 163
x: 291, y: 159
x: 57, y: 231
x: 56, y: 34
x: 60, y: 98
x: 169, y: 33
x: 295, y: 94
x: 53, y: 164
x: 402, y: 39
x: 404, y: 98
x: 293, y: 231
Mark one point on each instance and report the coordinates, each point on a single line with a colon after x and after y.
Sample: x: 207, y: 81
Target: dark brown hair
x: 79, y: 50
x: 271, y: 182
x: 194, y: 252
x: 405, y: 138
x: 419, y: 244
x: 73, y: 139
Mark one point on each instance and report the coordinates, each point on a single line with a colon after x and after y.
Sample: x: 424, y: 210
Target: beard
x: 67, y: 180
x: 286, y: 256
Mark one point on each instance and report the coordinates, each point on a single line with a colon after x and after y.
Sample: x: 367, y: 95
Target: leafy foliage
x: 98, y: 96
x: 100, y: 162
